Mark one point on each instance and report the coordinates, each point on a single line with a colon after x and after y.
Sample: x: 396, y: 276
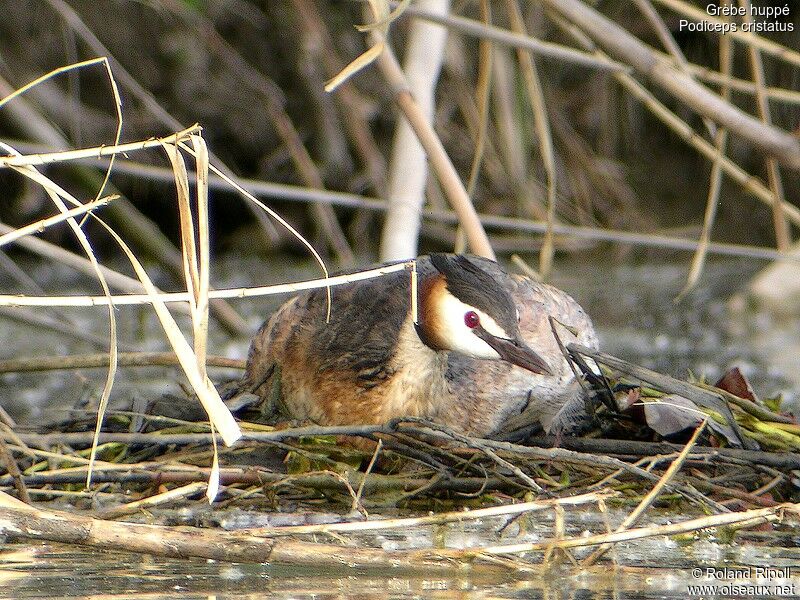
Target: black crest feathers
x: 475, y: 287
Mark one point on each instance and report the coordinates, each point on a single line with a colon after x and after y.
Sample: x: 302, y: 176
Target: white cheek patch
x: 460, y: 338
x: 490, y: 325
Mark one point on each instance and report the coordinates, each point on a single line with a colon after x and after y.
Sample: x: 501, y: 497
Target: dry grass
x: 194, y: 227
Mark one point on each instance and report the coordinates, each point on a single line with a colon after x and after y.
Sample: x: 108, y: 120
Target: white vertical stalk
x: 408, y: 169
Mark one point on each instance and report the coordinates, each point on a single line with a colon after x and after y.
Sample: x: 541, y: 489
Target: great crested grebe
x: 482, y: 351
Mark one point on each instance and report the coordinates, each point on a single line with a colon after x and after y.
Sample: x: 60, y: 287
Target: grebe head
x: 464, y: 309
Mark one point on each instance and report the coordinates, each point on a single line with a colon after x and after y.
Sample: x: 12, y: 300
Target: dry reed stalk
x: 218, y: 413
x: 43, y: 224
x: 58, y: 195
x: 742, y: 518
x: 125, y: 215
x: 533, y: 86
x: 168, y: 297
x: 195, y: 248
x: 620, y: 44
x: 128, y: 508
x: 392, y: 72
x: 381, y: 14
x: 651, y: 496
x: 127, y: 81
x: 23, y: 521
x: 501, y: 36
x: 783, y: 237
x: 440, y: 161
x: 109, y: 150
x: 304, y: 194
x: 124, y: 359
x: 206, y: 392
x: 461, y: 516
x: 775, y: 94
x: 683, y: 130
x: 715, y: 185
x: 747, y: 38
x: 408, y: 166
x: 241, y: 190
x: 82, y: 265
x: 57, y: 321
x: 356, y: 505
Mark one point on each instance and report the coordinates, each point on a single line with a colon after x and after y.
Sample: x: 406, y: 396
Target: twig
x: 551, y: 454
x: 651, y: 496
x: 56, y: 253
x: 357, y: 499
x: 476, y: 443
x: 226, y: 546
x: 777, y: 460
x: 320, y: 480
x: 460, y: 516
x: 124, y: 359
x: 752, y: 498
x: 751, y: 517
x: 156, y: 500
x: 13, y: 470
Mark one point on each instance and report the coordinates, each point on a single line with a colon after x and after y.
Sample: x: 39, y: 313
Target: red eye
x: 471, y: 319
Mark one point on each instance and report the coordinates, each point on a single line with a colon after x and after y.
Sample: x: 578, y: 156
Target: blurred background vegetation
x: 252, y: 74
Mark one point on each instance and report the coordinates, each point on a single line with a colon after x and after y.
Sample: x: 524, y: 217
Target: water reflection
x: 57, y: 572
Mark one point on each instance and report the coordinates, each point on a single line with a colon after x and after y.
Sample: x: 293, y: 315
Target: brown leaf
x: 734, y: 382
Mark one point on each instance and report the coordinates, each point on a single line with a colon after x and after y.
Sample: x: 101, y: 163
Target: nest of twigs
x: 146, y: 461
